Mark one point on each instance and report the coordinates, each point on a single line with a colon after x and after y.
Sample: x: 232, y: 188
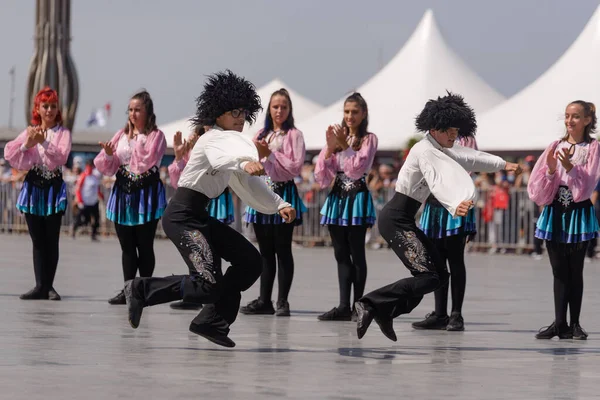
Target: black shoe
x: 578, y: 332
x: 387, y: 328
x: 35, y: 294
x: 52, y: 295
x: 353, y: 316
x: 364, y: 316
x: 456, y: 323
x: 563, y: 332
x: 118, y: 299
x: 432, y: 321
x: 283, y: 308
x: 185, y: 305
x: 135, y: 305
x: 209, y: 332
x: 258, y: 307
x: 336, y: 314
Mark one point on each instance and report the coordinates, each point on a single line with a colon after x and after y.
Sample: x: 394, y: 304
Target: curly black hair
x: 225, y: 91
x: 446, y: 112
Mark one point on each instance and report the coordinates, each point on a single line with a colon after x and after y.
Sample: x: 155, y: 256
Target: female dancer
x: 220, y: 208
x: 449, y: 235
x: 348, y: 210
x: 137, y: 200
x: 432, y: 166
x: 221, y: 157
x: 281, y: 147
x: 42, y: 149
x: 562, y: 181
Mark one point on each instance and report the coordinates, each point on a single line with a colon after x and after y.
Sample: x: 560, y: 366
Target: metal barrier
x: 508, y: 230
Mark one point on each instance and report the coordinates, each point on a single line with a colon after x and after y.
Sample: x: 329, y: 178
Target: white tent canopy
x: 534, y: 117
x: 303, y: 108
x: 423, y: 69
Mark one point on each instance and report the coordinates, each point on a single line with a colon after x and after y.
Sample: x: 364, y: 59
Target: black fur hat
x: 449, y: 111
x: 225, y: 91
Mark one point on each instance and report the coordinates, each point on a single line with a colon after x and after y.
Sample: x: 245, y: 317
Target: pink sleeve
x: 108, y: 165
x: 21, y: 160
x: 468, y: 142
x: 175, y: 170
x: 325, y: 170
x: 357, y: 163
x: 285, y: 165
x: 148, y: 154
x: 582, y: 179
x: 57, y: 150
x: 542, y: 187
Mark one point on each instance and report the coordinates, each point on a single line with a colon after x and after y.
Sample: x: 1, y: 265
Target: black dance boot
x: 365, y: 314
x: 387, y: 328
x: 456, y: 322
x: 258, y: 307
x: 118, y: 299
x: 53, y: 295
x: 432, y: 321
x: 212, y: 326
x: 336, y: 314
x: 578, y: 332
x: 135, y: 303
x: 562, y: 331
x: 37, y: 293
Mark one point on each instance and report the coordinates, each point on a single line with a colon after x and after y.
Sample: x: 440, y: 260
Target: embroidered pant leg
x: 419, y: 256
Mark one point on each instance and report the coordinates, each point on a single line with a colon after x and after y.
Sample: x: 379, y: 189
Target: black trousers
x: 349, y: 249
x: 45, y: 235
x: 452, y: 252
x: 137, y: 247
x: 88, y: 215
x: 417, y: 253
x: 202, y: 241
x: 567, y: 260
x: 275, y: 245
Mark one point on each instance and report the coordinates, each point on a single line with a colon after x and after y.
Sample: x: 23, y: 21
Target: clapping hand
x: 263, y: 149
x: 551, y: 161
x: 341, y: 136
x: 31, y: 136
x: 179, y: 146
x: 108, y: 148
x: 565, y: 159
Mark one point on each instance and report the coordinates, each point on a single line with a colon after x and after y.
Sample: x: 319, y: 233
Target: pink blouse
x: 146, y: 153
x: 287, y: 155
x: 176, y: 168
x: 354, y: 164
x: 53, y: 153
x: 581, y: 179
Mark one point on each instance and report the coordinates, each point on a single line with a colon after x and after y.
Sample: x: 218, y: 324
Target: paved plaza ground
x: 83, y: 348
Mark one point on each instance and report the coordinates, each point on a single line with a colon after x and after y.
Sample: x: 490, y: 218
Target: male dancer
x: 221, y: 157
x: 435, y: 165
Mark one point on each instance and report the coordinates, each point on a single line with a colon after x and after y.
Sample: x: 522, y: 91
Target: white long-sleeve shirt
x: 217, y: 161
x: 431, y: 168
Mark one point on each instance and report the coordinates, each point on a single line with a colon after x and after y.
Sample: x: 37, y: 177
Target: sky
x: 320, y: 48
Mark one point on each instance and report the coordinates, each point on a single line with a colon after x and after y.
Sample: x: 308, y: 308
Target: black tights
x: 452, y: 251
x: 567, y: 262
x: 275, y: 244
x: 45, y: 235
x: 137, y: 245
x: 349, y: 249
